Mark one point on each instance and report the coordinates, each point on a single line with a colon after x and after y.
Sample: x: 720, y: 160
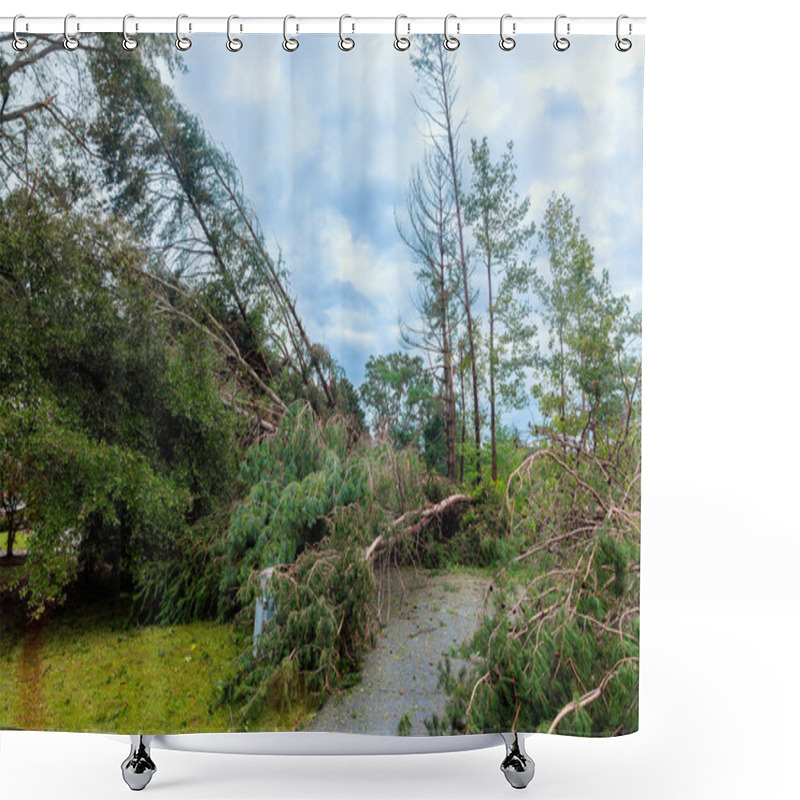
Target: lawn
x: 87, y: 670
x: 20, y: 541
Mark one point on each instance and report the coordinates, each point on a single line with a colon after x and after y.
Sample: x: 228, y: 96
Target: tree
x: 497, y: 217
x: 125, y: 144
x: 585, y: 374
x: 12, y: 475
x: 430, y: 237
x: 436, y: 74
x: 114, y: 432
x: 398, y: 391
x: 22, y: 99
x: 185, y: 196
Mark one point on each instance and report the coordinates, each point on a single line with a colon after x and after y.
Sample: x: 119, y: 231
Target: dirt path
x: 31, y: 703
x: 428, y: 616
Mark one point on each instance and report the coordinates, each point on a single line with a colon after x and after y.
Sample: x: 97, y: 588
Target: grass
x: 87, y: 669
x: 10, y: 646
x: 20, y: 541
x: 98, y: 674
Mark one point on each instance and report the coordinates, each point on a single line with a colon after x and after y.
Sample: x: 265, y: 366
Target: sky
x: 326, y: 142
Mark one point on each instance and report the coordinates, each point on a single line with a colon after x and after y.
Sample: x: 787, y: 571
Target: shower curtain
x: 320, y: 385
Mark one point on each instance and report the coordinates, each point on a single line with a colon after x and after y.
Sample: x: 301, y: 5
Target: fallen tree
x: 423, y: 518
x: 567, y: 605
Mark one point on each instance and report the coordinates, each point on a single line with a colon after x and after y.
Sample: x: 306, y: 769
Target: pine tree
x: 430, y: 236
x: 581, y: 370
x: 497, y: 216
x: 436, y: 74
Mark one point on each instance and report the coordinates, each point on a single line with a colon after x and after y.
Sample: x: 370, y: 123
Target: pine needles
x: 560, y: 652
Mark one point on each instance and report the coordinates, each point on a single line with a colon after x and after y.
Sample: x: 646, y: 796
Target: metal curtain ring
x: 401, y: 42
x: 233, y: 44
x: 345, y: 42
x: 451, y: 42
x: 289, y: 44
x: 507, y: 42
x: 561, y: 43
x: 70, y: 42
x: 623, y: 45
x: 18, y: 43
x: 128, y: 43
x: 181, y: 42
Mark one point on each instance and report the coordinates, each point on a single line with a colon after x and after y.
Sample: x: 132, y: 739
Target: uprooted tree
x: 324, y: 516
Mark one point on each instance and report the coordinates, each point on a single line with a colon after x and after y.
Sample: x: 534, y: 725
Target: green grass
x: 98, y: 674
x: 102, y: 676
x: 10, y: 646
x: 20, y: 542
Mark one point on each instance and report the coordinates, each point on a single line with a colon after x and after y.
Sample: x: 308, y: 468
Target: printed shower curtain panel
x: 320, y: 386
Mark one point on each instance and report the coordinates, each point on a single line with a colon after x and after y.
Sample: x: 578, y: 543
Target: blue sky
x: 326, y: 142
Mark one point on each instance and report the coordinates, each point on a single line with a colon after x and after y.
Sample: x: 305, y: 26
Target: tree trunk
x: 463, y: 416
x: 12, y: 530
x: 447, y: 358
x: 491, y: 364
x: 463, y: 258
x: 450, y: 416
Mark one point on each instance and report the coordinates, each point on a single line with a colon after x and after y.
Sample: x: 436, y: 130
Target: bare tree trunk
x: 491, y: 365
x: 447, y: 357
x: 459, y: 224
x: 463, y: 416
x: 450, y: 416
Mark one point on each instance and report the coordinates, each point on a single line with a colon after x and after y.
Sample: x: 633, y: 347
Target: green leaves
x: 113, y: 430
x: 398, y: 392
x: 588, y: 371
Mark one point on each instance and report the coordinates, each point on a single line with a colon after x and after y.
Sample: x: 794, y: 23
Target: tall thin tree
x: 428, y: 234
x: 497, y: 216
x: 436, y: 74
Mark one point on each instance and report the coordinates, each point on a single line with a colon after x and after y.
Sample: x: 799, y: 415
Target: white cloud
x: 326, y: 141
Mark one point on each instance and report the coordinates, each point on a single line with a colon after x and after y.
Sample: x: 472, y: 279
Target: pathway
x: 428, y: 615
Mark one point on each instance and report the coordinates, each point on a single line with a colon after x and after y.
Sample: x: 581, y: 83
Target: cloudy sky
x: 326, y: 142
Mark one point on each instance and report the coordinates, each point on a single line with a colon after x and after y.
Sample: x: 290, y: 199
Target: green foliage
x: 589, y: 370
x: 183, y: 583
x: 474, y: 539
x: 404, y: 725
x: 113, y: 431
x: 399, y: 393
x: 295, y: 478
x: 497, y: 217
x: 560, y: 649
x: 316, y: 500
x: 326, y: 618
x: 93, y: 506
x: 298, y: 477
x: 525, y: 675
x: 184, y: 195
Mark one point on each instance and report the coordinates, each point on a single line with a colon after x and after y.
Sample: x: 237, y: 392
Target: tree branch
x: 590, y: 696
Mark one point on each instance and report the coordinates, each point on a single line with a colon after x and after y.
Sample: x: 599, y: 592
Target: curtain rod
x: 191, y: 25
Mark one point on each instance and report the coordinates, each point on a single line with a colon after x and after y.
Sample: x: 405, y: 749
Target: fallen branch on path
x: 428, y: 514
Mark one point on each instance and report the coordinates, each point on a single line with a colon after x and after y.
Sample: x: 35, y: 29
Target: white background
x: 720, y: 605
